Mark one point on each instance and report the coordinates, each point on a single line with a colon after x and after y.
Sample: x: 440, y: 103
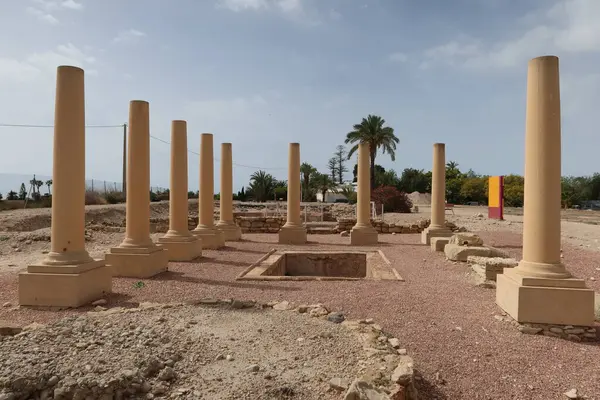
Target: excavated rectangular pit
x: 321, y: 265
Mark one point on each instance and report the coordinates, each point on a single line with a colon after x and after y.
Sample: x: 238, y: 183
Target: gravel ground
x: 448, y: 325
x: 190, y: 352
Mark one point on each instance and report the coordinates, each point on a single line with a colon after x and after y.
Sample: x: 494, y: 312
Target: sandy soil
x: 447, y: 324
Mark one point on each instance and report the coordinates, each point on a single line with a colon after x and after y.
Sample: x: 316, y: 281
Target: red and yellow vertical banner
x: 496, y: 197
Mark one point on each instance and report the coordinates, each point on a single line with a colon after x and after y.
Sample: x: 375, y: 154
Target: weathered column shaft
x: 178, y: 192
x: 207, y: 181
x: 293, y: 194
x: 226, y: 198
x: 68, y: 176
x: 363, y: 205
x: 438, y: 186
x: 137, y: 229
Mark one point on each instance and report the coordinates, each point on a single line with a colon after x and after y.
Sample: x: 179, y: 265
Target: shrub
x: 392, y: 200
x: 114, y: 197
x: 93, y: 198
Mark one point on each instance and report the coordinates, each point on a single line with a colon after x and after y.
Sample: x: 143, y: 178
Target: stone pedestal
x: 212, y: 238
x: 437, y: 227
x: 293, y: 232
x: 230, y: 231
x: 540, y: 289
x: 179, y: 243
x: 68, y: 276
x: 137, y: 256
x: 363, y: 233
x: 438, y: 243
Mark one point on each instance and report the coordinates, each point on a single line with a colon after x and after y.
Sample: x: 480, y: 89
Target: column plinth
x: 68, y: 276
x: 437, y: 226
x: 179, y: 243
x: 540, y: 289
x: 363, y: 232
x: 138, y: 256
x: 212, y: 238
x: 293, y: 232
x: 229, y: 229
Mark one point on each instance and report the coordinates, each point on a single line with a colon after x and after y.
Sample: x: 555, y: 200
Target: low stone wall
x: 346, y: 224
x: 260, y: 224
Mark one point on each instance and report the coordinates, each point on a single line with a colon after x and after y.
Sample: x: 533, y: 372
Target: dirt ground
x: 461, y: 350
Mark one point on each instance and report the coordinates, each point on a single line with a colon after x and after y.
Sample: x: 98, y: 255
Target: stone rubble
x: 567, y: 332
x: 489, y: 267
x: 464, y: 245
x: 201, y: 348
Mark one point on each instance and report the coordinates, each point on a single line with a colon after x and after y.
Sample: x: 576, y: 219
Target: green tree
x: 514, y: 186
x: 332, y: 166
x: 306, y: 170
x: 322, y: 183
x: 474, y: 188
x: 386, y: 178
x: 371, y: 130
x: 261, y: 186
x: 340, y: 157
x: 415, y: 180
x: 22, y: 192
x: 12, y: 195
x: 348, y: 192
x: 454, y: 182
x: 49, y: 184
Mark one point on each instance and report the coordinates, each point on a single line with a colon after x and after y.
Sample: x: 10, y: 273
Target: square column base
x: 230, y: 231
x: 182, y: 250
x: 137, y: 263
x: 66, y: 289
x: 429, y: 233
x: 292, y: 235
x: 439, y: 243
x: 545, y: 301
x: 363, y: 236
x: 212, y: 238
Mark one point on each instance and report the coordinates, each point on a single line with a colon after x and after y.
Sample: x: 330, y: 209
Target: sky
x: 263, y: 73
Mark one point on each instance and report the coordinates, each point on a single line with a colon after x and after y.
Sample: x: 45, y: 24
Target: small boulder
x: 361, y: 390
x: 338, y: 384
x: 403, y: 374
x: 466, y: 239
x: 336, y: 317
x: 282, y: 306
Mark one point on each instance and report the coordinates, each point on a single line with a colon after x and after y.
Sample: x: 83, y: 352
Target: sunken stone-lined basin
x: 321, y: 265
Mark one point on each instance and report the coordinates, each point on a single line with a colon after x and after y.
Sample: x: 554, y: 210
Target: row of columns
x: 68, y: 276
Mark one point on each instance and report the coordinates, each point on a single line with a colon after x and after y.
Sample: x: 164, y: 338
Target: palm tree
x: 372, y: 131
x: 306, y: 170
x: 49, y: 183
x: 322, y: 183
x: 262, y: 185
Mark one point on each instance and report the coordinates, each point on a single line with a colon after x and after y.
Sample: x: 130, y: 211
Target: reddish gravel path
x: 447, y: 325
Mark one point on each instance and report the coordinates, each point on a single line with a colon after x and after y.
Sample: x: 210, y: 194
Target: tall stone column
x: 137, y: 256
x: 437, y: 227
x: 212, y: 238
x: 179, y: 242
x: 293, y: 232
x: 68, y: 276
x: 230, y: 230
x: 540, y: 289
x: 363, y: 232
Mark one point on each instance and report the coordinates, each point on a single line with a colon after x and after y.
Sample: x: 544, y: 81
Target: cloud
x: 72, y: 5
x: 567, y: 26
x: 130, y: 36
x: 42, y: 16
x: 50, y: 5
x: 285, y: 6
x: 37, y: 64
x: 398, y: 57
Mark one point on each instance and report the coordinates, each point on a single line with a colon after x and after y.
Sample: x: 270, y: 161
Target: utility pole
x: 125, y: 160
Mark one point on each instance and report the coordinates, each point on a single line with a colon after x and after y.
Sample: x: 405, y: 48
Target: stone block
x: 545, y: 301
x: 466, y: 239
x: 137, y: 263
x: 455, y: 252
x: 363, y: 237
x: 230, y: 231
x: 182, y: 250
x: 428, y: 233
x: 489, y: 267
x: 438, y: 243
x: 65, y: 289
x: 292, y: 235
x: 212, y: 238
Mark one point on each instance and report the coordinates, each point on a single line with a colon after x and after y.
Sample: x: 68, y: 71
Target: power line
x: 52, y: 126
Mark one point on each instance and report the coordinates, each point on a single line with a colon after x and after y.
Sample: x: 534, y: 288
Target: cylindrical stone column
x: 363, y: 198
x: 438, y: 187
x: 137, y: 228
x: 68, y: 175
x: 293, y: 194
x: 542, y: 201
x: 178, y: 192
x: 226, y: 198
x: 207, y: 182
